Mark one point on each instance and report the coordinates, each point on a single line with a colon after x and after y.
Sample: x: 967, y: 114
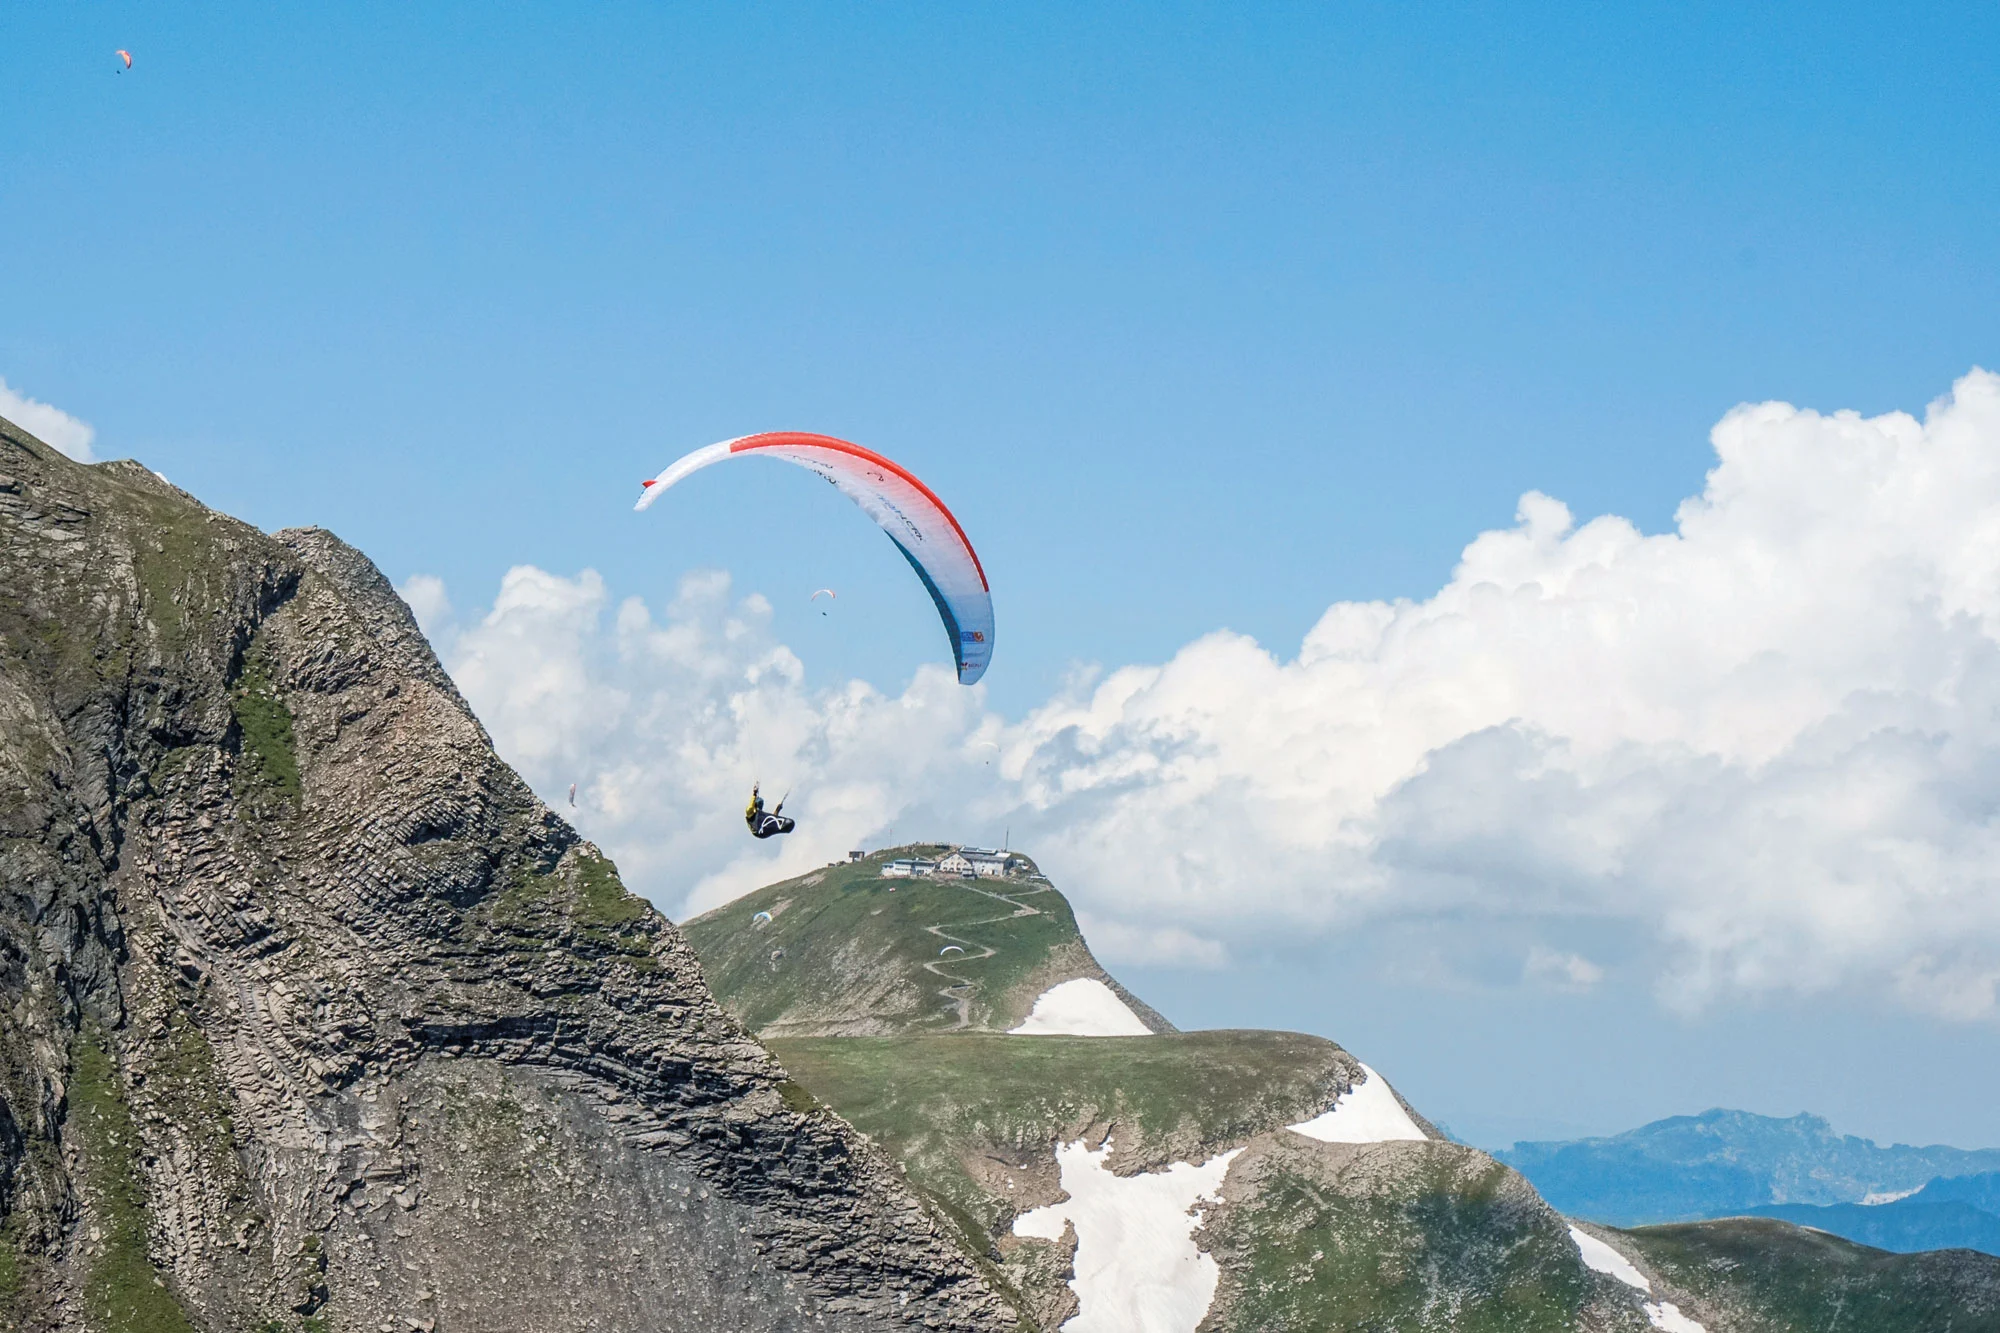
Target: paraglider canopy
x: 927, y: 534
x: 125, y: 56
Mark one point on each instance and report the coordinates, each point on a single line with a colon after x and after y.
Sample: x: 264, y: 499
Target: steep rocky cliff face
x: 316, y: 1019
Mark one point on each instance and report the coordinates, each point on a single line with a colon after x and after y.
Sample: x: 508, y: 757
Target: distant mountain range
x: 1952, y: 1212
x: 1733, y: 1163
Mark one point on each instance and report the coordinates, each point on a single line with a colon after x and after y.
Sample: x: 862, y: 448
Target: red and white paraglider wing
x: 682, y: 467
x: 902, y: 506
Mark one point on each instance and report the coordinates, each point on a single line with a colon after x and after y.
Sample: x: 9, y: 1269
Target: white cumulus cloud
x: 1766, y: 743
x: 1563, y: 971
x: 664, y: 722
x: 51, y: 425
x: 428, y: 602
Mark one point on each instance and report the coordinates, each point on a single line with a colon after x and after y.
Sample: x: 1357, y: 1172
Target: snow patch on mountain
x: 1667, y: 1317
x: 1601, y: 1258
x: 1137, y: 1268
x: 1663, y: 1315
x: 1085, y: 1007
x: 1368, y: 1112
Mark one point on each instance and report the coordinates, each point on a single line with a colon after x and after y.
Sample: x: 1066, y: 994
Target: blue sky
x: 1198, y: 317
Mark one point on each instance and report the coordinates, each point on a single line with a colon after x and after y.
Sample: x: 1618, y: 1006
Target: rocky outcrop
x: 316, y: 1018
x: 1430, y: 1237
x: 1761, y: 1275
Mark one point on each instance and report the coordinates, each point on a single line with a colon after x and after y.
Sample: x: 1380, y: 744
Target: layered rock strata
x: 316, y: 1018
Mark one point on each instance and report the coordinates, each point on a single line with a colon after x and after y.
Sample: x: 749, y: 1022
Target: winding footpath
x: 958, y: 993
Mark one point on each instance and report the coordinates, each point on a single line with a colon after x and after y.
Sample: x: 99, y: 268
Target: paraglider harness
x: 763, y: 823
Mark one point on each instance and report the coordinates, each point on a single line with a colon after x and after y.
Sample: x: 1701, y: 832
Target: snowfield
x: 1085, y: 1007
x: 1603, y: 1259
x: 1366, y: 1113
x: 1137, y: 1268
x: 1663, y: 1315
x: 1667, y: 1317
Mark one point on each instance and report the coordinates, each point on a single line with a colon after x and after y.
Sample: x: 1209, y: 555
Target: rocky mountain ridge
x: 316, y: 1019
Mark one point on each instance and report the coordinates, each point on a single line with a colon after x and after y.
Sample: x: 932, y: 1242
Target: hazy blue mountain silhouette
x: 1906, y: 1225
x: 1725, y: 1163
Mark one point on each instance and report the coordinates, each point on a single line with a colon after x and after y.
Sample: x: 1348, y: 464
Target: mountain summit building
x: 977, y: 861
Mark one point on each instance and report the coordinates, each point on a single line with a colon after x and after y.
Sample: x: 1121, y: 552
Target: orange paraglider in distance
x: 125, y: 56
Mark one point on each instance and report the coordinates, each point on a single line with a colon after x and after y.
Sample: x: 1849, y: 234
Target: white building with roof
x: 980, y: 861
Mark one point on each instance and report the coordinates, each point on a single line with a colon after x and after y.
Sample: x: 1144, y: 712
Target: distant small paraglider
x: 761, y: 919
x: 125, y: 56
x: 824, y: 592
x: 949, y: 948
x: 572, y: 796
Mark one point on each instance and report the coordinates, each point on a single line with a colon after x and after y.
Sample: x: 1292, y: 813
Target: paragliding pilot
x: 764, y: 823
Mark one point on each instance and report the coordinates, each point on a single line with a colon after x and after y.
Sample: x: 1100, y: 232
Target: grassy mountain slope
x: 952, y: 1107
x: 1433, y: 1236
x: 849, y: 953
x: 1756, y: 1275
x: 1421, y: 1236
x: 845, y: 984
x: 911, y: 1049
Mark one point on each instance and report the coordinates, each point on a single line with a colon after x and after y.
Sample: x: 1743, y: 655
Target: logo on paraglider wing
x: 973, y: 636
x: 909, y: 525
